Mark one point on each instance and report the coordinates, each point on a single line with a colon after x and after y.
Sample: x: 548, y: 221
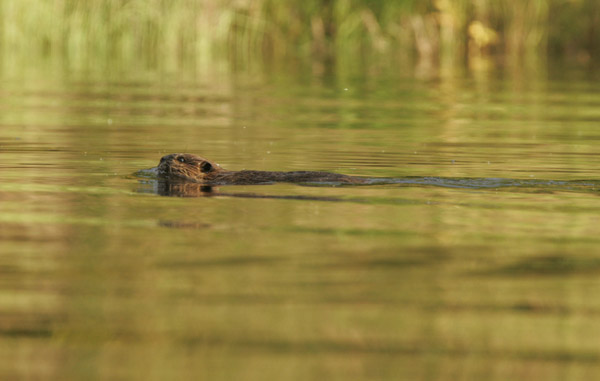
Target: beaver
x: 187, y: 189
x: 186, y: 167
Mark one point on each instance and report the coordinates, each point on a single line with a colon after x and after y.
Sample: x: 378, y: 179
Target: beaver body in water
x: 185, y: 167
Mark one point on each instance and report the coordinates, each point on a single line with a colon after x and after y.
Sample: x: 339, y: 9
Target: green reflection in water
x: 101, y: 280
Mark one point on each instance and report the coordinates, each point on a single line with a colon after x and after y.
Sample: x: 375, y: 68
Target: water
x: 479, y: 261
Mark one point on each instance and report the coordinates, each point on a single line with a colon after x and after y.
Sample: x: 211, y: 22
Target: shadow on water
x: 388, y: 348
x: 497, y: 183
x: 164, y: 188
x: 220, y: 262
x: 550, y: 265
x: 152, y: 184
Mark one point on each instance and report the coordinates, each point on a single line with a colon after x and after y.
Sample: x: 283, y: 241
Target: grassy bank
x: 169, y: 32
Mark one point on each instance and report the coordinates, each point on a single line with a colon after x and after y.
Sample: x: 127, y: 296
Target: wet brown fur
x: 185, y: 167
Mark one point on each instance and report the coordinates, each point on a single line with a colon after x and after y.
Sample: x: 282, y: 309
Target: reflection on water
x: 476, y: 258
x: 190, y: 189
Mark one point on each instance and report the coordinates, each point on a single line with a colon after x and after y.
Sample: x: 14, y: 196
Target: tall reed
x: 169, y: 32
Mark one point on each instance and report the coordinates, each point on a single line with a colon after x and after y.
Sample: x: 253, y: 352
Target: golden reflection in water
x: 101, y: 280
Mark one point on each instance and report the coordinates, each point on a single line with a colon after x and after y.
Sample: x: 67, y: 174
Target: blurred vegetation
x: 170, y: 32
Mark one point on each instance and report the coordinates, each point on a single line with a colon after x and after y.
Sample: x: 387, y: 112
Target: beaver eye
x: 181, y: 159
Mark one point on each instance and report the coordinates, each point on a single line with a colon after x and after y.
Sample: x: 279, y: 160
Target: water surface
x: 480, y: 262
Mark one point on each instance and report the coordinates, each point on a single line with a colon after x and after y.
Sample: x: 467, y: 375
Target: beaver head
x: 187, y: 167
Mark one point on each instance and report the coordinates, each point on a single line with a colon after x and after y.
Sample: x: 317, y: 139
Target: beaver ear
x: 206, y: 167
